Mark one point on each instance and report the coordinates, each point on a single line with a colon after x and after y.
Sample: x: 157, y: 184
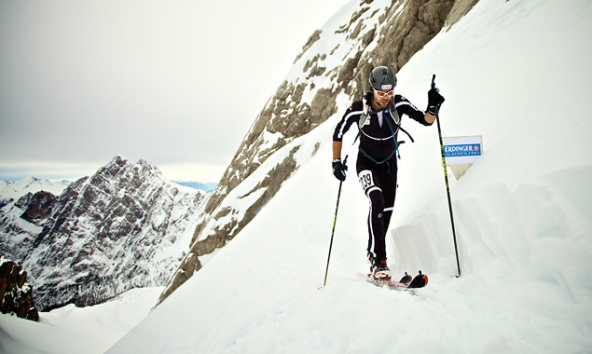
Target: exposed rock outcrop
x: 460, y: 8
x: 16, y: 295
x: 38, y: 206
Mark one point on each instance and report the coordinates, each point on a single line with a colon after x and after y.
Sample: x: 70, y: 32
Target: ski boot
x: 378, y: 268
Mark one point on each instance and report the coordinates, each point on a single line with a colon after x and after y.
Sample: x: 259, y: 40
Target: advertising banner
x: 461, y: 152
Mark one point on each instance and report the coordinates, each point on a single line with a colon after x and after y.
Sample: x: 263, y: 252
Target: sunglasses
x: 385, y: 93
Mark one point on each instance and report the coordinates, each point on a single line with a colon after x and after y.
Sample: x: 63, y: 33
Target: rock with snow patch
x: 16, y: 295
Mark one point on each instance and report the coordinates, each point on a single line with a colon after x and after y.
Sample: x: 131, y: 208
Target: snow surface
x: 71, y: 329
x: 517, y: 73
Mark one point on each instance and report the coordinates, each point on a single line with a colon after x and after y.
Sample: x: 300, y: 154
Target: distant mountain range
x: 15, y: 190
x: 84, y: 242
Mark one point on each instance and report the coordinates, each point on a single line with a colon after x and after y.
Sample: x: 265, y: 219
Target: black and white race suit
x: 376, y: 163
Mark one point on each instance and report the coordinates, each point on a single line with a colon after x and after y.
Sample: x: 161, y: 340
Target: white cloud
x: 169, y: 83
x: 198, y: 172
x: 52, y: 170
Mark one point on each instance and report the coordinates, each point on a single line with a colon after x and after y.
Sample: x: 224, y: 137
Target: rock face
x: 336, y: 60
x: 16, y: 296
x: 38, y: 206
x: 17, y: 234
x: 124, y: 227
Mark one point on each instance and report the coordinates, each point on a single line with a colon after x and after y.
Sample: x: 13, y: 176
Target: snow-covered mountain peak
x: 125, y: 226
x: 120, y: 166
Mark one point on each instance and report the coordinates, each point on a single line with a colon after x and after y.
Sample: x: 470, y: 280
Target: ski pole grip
x: 433, y: 80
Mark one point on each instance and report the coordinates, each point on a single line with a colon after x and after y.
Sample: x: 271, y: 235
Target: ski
x: 419, y: 281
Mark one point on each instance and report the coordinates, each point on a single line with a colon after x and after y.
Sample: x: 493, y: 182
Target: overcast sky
x: 176, y: 83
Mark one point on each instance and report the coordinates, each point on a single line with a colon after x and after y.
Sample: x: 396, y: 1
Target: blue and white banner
x: 462, y: 150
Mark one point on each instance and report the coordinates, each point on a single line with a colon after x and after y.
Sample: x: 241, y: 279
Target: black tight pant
x: 380, y: 186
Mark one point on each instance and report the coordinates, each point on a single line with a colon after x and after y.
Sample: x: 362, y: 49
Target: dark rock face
x: 373, y: 35
x: 19, y: 229
x: 38, y: 206
x: 16, y: 296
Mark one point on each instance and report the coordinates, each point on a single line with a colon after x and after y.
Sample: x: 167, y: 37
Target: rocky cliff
x: 16, y: 295
x: 335, y: 62
x: 124, y: 227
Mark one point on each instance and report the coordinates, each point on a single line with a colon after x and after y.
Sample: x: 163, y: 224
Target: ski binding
x: 407, y: 282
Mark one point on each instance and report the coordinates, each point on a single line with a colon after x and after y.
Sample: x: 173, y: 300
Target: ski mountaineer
x: 378, y: 117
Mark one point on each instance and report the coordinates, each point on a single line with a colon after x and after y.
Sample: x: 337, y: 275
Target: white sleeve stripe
x: 344, y: 120
x: 406, y: 103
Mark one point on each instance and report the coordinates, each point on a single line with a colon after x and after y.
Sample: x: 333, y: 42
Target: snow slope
x: 71, y: 329
x: 515, y: 72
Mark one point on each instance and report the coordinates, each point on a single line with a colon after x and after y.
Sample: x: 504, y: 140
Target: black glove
x: 435, y: 100
x: 339, y: 169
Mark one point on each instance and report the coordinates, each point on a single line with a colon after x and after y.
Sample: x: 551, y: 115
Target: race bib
x: 366, y: 180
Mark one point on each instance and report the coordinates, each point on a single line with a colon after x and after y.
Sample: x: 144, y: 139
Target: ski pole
x: 334, y: 223
x: 446, y: 179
